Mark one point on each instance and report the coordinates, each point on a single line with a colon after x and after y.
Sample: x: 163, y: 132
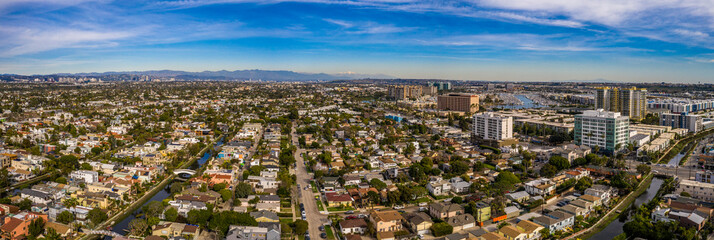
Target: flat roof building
x: 460, y: 102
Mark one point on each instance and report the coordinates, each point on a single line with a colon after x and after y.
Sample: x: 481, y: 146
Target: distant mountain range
x: 256, y: 74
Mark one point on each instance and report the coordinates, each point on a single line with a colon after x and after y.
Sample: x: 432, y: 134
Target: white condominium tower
x: 492, y: 127
x: 608, y: 130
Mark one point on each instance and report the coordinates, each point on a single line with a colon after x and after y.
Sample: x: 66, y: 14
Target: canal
x: 675, y: 160
x: 615, y: 227
x: 122, y: 227
x: 527, y: 103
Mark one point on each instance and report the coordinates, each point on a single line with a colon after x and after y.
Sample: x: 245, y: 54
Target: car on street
x: 350, y: 212
x: 351, y: 217
x: 322, y: 228
x: 323, y: 235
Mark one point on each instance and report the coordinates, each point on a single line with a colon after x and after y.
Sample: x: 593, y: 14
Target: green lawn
x: 328, y: 230
x: 421, y: 200
x: 286, y: 220
x: 319, y: 205
x: 341, y: 208
x: 314, y: 187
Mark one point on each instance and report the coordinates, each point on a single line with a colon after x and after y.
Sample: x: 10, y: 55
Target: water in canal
x: 527, y: 103
x: 615, y: 227
x: 122, y: 226
x: 675, y: 160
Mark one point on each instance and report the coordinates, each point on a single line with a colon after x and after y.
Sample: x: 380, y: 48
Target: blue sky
x: 515, y: 40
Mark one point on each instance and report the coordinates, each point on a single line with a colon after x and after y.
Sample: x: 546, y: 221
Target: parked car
x: 322, y: 228
x: 323, y: 235
x: 350, y: 212
x: 351, y: 217
x: 398, y: 207
x: 421, y: 204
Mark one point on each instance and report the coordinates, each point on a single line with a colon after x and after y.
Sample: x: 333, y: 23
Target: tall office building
x: 492, y: 127
x: 630, y: 102
x: 404, y: 92
x: 460, y: 102
x: 490, y: 87
x: 693, y: 123
x: 608, y: 130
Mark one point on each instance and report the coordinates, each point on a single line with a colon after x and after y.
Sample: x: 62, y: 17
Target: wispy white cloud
x: 368, y: 27
x: 341, y: 23
x: 27, y: 41
x: 690, y: 33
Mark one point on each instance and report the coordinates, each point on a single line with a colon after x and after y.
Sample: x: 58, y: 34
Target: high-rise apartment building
x: 608, y: 130
x: 492, y: 127
x: 630, y: 102
x: 404, y: 92
x: 693, y: 123
x: 460, y: 102
x: 440, y: 85
x: 430, y: 90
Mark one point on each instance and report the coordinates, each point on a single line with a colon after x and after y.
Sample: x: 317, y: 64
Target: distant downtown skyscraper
x: 629, y: 102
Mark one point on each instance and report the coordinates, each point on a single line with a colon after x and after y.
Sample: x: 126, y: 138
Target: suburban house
x: 513, y: 233
x: 445, y: 210
x: 353, y: 226
x: 531, y: 229
x: 540, y: 187
x: 419, y: 222
x: 556, y: 221
x: 17, y: 226
x: 462, y: 222
x: 338, y: 199
x: 386, y: 221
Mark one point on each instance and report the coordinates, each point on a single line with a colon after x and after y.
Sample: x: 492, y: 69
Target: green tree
x: 36, y: 227
x: 61, y: 180
x: 548, y: 170
x: 559, y: 162
x: 218, y: 187
x: 584, y: 183
x: 86, y: 166
x: 176, y: 188
x: 65, y: 217
x: 138, y: 227
x: 153, y: 209
x: 243, y: 190
x: 441, y: 228
x: 225, y: 194
x: 51, y: 234
x: 643, y: 169
x: 97, y: 216
x: 378, y: 184
x: 25, y: 204
x: 171, y: 214
x: 300, y: 226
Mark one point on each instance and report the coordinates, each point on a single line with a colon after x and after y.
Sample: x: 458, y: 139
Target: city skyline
x: 460, y: 40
